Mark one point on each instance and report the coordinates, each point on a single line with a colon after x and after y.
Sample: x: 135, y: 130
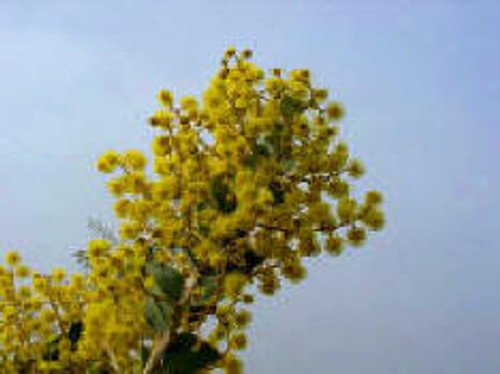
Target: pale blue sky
x: 421, y: 82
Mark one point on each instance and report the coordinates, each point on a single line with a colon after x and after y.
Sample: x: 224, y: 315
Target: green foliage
x: 186, y: 355
x: 278, y: 192
x: 157, y: 314
x: 224, y: 197
x: 169, y: 282
x: 252, y: 260
x: 290, y: 106
x: 209, y: 287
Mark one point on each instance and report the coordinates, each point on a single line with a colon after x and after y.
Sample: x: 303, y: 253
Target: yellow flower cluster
x: 245, y: 183
x: 40, y: 314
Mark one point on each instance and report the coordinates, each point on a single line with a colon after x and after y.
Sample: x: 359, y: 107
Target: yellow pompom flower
x: 302, y: 75
x: 346, y: 210
x: 162, y: 119
x: 78, y: 281
x: 122, y: 208
x: 40, y: 283
x: 234, y: 284
x: 374, y: 219
x: 24, y: 292
x: 130, y: 230
x: 373, y: 198
x: 248, y: 299
x: 338, y: 188
x: 162, y: 145
x: 238, y: 341
x: 48, y: 316
x: 247, y: 53
x: 58, y: 275
x: 335, y: 111
x: 230, y: 51
x: 134, y: 160
x: 232, y: 365
x: 9, y: 311
x: 108, y: 162
x: 355, y: 169
x: 166, y: 98
x: 117, y: 186
x: 189, y: 102
x: 356, y: 236
x: 22, y: 271
x: 319, y: 94
x: 12, y: 258
x: 334, y: 245
x: 242, y: 318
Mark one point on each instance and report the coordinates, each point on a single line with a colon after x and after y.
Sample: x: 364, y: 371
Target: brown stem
x: 161, y: 344
x: 159, y: 347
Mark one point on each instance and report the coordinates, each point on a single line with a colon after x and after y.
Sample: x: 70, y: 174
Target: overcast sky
x: 421, y: 84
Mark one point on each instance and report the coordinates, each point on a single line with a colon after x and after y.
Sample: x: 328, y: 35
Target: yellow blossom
x: 166, y: 98
x: 238, y: 196
x: 134, y: 160
x: 22, y: 271
x: 234, y: 284
x: 12, y: 258
x: 108, y: 162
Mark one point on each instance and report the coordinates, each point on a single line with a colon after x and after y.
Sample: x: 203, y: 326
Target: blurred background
x: 421, y: 84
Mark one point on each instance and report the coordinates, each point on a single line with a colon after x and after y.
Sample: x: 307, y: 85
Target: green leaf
x: 187, y: 355
x: 156, y: 315
x: 209, y: 286
x: 263, y: 149
x: 224, y: 197
x: 252, y: 260
x: 250, y: 161
x: 75, y: 333
x: 169, y: 282
x: 278, y: 192
x: 287, y: 164
x: 280, y: 140
x: 51, y: 348
x: 145, y: 352
x: 290, y: 106
x: 99, y: 368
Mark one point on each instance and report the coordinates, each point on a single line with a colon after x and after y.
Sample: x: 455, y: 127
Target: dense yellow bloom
x: 240, y: 193
x: 98, y: 247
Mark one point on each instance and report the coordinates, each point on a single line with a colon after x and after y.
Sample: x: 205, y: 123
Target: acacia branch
x: 161, y: 344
